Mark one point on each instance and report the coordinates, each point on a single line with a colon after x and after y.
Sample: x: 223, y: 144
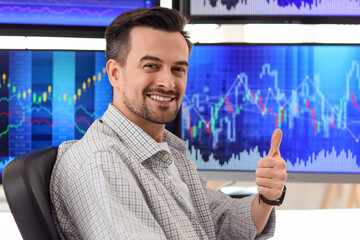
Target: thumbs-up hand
x: 271, y: 173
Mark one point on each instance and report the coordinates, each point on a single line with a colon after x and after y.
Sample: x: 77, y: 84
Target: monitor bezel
x: 298, y: 177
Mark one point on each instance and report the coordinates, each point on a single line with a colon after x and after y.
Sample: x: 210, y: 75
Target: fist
x: 271, y: 172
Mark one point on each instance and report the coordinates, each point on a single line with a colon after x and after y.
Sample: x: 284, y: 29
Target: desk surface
x: 291, y: 224
x: 317, y: 224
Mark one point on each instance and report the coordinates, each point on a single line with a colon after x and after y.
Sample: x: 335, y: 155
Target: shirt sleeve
x: 103, y: 203
x: 232, y: 217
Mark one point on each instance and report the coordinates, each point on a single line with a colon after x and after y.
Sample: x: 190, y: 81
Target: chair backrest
x: 26, y: 181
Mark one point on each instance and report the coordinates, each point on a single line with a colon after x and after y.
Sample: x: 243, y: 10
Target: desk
x: 329, y: 224
x: 8, y: 227
x: 291, y: 225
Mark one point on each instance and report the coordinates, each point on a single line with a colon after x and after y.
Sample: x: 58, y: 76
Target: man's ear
x: 113, y: 69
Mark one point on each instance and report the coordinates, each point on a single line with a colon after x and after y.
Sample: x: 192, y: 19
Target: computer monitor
x: 73, y: 13
x: 271, y: 11
x: 75, y: 18
x: 237, y: 94
x: 47, y: 97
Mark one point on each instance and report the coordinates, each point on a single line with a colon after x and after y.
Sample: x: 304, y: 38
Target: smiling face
x: 149, y: 88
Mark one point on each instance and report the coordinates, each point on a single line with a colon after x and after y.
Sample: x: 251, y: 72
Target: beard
x: 161, y: 115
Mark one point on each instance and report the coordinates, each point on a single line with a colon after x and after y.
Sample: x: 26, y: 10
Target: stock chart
x: 238, y: 94
x: 47, y: 97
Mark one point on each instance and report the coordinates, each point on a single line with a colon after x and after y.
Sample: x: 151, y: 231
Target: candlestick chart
x: 47, y: 97
x: 238, y: 94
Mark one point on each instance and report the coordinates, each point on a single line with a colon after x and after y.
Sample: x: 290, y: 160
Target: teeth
x: 163, y: 99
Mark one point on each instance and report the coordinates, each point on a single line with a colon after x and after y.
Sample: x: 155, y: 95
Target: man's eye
x: 151, y: 66
x: 179, y: 69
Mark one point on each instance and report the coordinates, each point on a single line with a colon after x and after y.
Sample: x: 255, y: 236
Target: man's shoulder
x: 64, y: 147
x: 98, y: 140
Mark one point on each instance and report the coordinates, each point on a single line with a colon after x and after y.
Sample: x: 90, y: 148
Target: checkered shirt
x: 114, y: 184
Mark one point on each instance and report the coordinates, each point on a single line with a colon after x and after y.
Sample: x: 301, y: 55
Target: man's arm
x: 248, y: 218
x: 270, y: 178
x: 260, y: 213
x: 233, y: 218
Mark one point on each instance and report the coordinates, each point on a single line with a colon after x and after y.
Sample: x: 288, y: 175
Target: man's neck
x: 156, y: 131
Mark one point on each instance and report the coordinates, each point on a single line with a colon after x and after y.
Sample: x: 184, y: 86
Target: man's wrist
x: 276, y: 202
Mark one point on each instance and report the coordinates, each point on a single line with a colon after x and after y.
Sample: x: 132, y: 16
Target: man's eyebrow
x: 185, y: 63
x: 148, y: 57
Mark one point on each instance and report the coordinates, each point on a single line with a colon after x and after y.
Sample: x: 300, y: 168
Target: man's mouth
x: 160, y: 98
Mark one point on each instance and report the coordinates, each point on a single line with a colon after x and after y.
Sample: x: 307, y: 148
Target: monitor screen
x: 238, y: 94
x: 47, y: 97
x: 313, y: 11
x: 69, y: 12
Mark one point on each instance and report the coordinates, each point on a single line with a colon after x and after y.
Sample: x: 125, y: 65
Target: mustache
x: 160, y: 90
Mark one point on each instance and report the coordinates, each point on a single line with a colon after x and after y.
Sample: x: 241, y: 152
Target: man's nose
x: 166, y: 80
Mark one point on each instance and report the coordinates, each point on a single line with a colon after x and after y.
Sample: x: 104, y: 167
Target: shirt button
x: 166, y: 155
x: 192, y: 215
x: 170, y: 178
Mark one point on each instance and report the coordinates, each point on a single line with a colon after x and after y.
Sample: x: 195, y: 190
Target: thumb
x: 275, y: 143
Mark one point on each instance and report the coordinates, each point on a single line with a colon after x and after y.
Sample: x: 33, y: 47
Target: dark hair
x: 117, y: 34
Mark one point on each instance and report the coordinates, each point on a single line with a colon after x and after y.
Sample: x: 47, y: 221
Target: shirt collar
x: 139, y: 142
x: 174, y: 141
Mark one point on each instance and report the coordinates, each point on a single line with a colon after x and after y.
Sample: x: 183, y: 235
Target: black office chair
x: 26, y: 181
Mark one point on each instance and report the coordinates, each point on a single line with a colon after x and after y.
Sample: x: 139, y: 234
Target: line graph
x: 63, y: 3
x: 56, y: 11
x: 53, y: 97
x: 74, y: 12
x: 239, y: 94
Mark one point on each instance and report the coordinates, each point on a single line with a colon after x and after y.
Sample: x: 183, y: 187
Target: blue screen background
x: 237, y: 95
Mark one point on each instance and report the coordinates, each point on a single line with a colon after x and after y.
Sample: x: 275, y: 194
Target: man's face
x: 153, y: 80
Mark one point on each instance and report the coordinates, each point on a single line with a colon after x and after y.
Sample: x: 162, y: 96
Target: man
x: 129, y: 178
